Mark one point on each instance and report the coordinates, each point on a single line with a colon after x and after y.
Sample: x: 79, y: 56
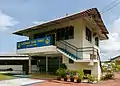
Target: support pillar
x: 30, y: 65
x: 46, y: 64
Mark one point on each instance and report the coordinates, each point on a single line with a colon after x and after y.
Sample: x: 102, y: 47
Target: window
x: 65, y: 33
x: 97, y: 41
x: 71, y: 32
x: 88, y: 34
x: 71, y: 61
x: 39, y: 35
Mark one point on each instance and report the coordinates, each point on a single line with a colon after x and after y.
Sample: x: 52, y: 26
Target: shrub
x: 63, y: 66
x: 118, y: 67
x: 91, y: 78
x: 61, y: 72
x: 107, y: 76
x: 80, y: 74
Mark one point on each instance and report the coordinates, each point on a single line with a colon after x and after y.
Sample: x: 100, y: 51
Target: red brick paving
x: 113, y: 82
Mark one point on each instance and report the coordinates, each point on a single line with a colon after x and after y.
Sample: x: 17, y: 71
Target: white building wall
x: 14, y: 67
x: 95, y: 69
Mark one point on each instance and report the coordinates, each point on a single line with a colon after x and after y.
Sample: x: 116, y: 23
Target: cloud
x: 38, y: 22
x: 111, y: 47
x: 6, y: 21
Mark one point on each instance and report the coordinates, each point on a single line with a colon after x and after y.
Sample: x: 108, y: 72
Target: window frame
x: 97, y: 41
x: 88, y: 34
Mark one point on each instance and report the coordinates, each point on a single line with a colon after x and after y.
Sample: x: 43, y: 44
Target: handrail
x: 83, y: 49
x: 76, y: 48
x: 68, y: 45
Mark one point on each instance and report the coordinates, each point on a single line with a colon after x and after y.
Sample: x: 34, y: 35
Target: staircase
x: 68, y: 54
x: 67, y: 46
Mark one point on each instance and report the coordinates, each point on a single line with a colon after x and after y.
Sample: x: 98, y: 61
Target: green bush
x: 80, y: 74
x: 61, y: 72
x: 107, y: 76
x: 118, y: 67
x: 72, y: 73
x: 63, y: 66
x: 91, y: 78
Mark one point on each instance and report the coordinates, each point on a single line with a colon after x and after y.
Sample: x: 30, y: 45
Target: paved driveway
x: 113, y: 82
x: 19, y: 82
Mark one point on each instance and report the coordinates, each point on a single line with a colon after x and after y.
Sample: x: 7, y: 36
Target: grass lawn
x: 43, y: 76
x: 5, y: 77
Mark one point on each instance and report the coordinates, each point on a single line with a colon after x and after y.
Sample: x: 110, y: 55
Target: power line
x: 109, y: 5
x: 109, y: 8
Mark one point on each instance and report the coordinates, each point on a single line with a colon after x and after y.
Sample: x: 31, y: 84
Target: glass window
x: 97, y: 41
x: 88, y: 34
x: 71, y: 32
x: 65, y: 33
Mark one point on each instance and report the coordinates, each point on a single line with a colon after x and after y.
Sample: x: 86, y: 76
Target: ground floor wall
x: 16, y: 68
x: 95, y: 69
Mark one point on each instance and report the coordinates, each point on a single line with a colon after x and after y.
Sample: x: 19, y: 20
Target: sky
x: 18, y: 14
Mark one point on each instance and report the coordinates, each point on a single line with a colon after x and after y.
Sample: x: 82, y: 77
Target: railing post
x: 76, y: 54
x: 93, y: 53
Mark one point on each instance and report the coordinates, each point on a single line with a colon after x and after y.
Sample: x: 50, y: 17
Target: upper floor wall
x: 76, y: 40
x: 79, y: 34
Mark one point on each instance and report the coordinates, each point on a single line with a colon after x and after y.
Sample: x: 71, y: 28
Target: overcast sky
x: 18, y: 14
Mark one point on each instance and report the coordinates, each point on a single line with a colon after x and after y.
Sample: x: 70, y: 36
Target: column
x: 46, y: 64
x: 30, y: 65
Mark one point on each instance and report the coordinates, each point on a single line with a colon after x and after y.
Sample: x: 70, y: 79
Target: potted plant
x: 61, y: 73
x: 72, y: 73
x: 80, y: 75
x: 68, y: 74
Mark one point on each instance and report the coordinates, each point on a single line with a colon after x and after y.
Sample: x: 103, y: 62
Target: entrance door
x: 54, y: 64
x: 53, y: 38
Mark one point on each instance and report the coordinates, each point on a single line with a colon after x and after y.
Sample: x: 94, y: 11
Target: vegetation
x: 5, y: 77
x: 63, y: 66
x: 70, y: 74
x: 80, y: 74
x: 109, y: 69
x: 61, y: 72
x: 91, y: 78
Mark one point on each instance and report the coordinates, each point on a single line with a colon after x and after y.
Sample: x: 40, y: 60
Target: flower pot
x: 78, y: 80
x: 76, y: 77
x: 65, y: 78
x: 72, y: 79
x: 58, y: 78
x: 68, y: 76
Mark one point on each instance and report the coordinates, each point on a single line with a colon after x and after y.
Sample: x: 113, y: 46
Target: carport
x: 14, y: 63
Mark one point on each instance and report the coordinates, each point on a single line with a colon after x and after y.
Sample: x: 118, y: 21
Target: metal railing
x: 77, y: 52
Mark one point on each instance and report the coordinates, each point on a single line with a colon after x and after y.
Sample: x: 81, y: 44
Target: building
x: 14, y: 63
x: 73, y: 40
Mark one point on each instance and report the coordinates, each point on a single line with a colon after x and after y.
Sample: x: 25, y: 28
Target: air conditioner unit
x: 91, y: 63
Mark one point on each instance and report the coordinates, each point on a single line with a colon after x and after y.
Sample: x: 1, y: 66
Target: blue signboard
x: 46, y: 41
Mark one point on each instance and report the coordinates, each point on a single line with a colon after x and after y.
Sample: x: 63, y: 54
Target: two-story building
x: 72, y: 40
